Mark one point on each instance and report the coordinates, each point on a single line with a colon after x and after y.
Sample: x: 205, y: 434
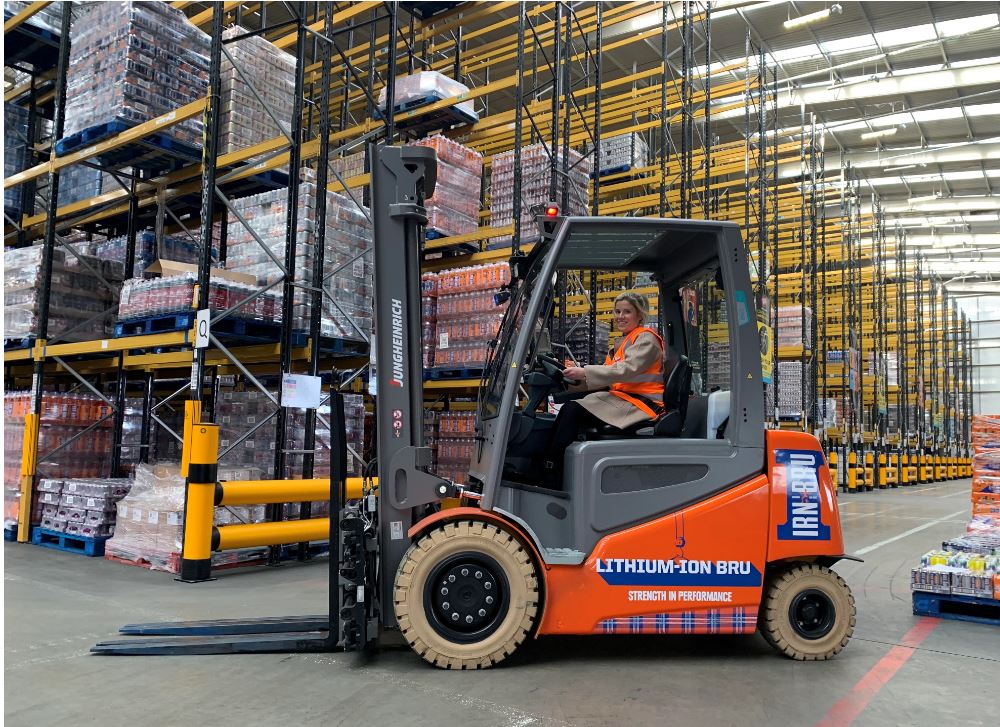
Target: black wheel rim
x: 812, y: 614
x: 466, y: 597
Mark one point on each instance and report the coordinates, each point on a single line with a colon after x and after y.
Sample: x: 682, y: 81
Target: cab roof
x: 667, y: 246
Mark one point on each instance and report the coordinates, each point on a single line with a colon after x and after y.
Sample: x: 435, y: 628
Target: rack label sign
x: 202, y: 328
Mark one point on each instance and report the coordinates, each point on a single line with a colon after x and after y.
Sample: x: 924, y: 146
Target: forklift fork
x: 274, y: 634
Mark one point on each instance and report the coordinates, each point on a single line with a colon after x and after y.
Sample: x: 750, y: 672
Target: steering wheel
x: 553, y: 368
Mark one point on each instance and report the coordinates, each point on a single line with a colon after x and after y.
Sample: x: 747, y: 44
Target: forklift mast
x: 403, y: 177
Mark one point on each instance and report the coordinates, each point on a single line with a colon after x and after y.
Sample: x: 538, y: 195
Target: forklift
x: 699, y: 521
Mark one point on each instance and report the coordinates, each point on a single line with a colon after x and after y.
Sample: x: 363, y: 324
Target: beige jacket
x: 644, y: 352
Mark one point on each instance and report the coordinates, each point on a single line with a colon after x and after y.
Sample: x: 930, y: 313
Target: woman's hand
x: 575, y: 373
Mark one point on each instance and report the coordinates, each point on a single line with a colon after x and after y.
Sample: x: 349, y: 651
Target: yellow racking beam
x: 29, y: 11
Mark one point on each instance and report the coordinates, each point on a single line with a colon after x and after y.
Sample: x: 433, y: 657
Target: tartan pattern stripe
x: 710, y: 621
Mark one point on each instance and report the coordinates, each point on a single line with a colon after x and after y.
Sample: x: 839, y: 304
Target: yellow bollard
x: 852, y: 471
x: 952, y: 468
x: 870, y: 483
x: 199, y: 507
x: 940, y: 469
x: 892, y: 473
x: 834, y: 474
x: 883, y: 474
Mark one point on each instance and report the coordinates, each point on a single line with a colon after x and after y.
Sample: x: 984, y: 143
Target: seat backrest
x: 694, y: 426
x: 678, y: 387
x: 675, y: 400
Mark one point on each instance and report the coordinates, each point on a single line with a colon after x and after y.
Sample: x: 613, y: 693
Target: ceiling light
x: 798, y: 22
x: 880, y: 134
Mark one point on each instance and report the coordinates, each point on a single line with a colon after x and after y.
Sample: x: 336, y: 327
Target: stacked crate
x: 793, y: 400
x: 178, y: 294
x: 132, y: 62
x: 456, y: 439
x: 179, y: 248
x: 453, y: 209
x: 969, y: 565
x: 468, y: 318
x: 428, y: 316
x: 536, y: 175
x: 80, y: 306
x: 271, y: 73
x: 15, y: 152
x: 149, y: 525
x: 347, y: 261
x: 49, y: 17
x: 577, y: 340
x: 794, y: 330
x: 238, y: 412
x: 131, y: 449
x: 85, y: 507
x: 63, y: 417
x: 426, y: 87
x: 623, y: 152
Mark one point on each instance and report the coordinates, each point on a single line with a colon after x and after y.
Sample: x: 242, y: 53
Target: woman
x: 628, y: 388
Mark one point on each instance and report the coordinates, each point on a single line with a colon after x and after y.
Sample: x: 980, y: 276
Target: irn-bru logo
x: 799, y: 469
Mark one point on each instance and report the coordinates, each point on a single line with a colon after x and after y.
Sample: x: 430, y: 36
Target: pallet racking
x: 542, y: 73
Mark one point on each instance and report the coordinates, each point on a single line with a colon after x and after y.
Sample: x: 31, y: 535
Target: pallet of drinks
x: 961, y: 580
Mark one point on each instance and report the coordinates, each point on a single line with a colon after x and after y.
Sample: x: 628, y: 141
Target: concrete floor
x: 57, y: 605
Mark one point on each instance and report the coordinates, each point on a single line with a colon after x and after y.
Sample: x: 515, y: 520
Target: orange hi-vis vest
x: 648, y: 385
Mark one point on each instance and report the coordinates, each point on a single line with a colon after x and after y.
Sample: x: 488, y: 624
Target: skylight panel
x: 906, y: 36
x: 853, y: 43
x: 950, y: 28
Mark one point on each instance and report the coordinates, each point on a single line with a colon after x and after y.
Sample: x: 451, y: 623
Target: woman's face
x: 626, y: 317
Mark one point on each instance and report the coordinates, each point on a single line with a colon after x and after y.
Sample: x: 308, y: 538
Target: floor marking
x: 911, y: 531
x: 851, y: 705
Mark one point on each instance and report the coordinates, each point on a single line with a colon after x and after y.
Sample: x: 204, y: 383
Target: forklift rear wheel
x: 466, y: 595
x: 809, y: 613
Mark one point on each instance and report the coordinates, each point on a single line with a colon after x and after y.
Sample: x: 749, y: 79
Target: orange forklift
x: 699, y: 521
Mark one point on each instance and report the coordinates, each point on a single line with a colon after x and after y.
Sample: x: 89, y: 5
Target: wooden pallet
x: 958, y: 608
x: 68, y: 543
x: 457, y: 373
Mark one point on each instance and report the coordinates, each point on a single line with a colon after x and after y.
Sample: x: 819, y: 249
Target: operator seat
x: 670, y: 422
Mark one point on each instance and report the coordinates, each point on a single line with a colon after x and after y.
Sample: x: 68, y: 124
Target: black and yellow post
x: 832, y: 464
x: 883, y: 471
x: 904, y: 470
x: 852, y: 471
x: 869, y: 470
x: 893, y: 473
x: 199, y: 506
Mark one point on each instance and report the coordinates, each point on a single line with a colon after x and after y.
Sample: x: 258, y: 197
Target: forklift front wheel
x: 808, y: 613
x: 466, y: 595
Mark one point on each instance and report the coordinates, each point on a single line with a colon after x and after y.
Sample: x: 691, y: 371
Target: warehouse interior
x: 208, y: 368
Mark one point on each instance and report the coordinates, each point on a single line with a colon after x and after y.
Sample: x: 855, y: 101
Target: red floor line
x: 852, y: 704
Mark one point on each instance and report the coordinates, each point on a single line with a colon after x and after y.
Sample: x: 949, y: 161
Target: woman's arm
x: 643, y: 353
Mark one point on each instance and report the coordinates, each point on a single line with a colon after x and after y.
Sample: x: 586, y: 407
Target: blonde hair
x: 637, y: 301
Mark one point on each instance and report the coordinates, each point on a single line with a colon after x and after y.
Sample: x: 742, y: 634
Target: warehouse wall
x: 984, y: 312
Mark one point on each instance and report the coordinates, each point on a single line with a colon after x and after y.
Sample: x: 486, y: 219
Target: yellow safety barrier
x: 883, y: 471
x: 926, y: 469
x: 952, y: 468
x: 905, y: 476
x: 199, y: 509
x: 266, y: 492
x: 29, y: 455
x: 231, y: 537
x: 892, y: 471
x: 852, y: 471
x: 870, y: 483
x: 834, y: 474
x: 205, y: 492
x: 940, y: 469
